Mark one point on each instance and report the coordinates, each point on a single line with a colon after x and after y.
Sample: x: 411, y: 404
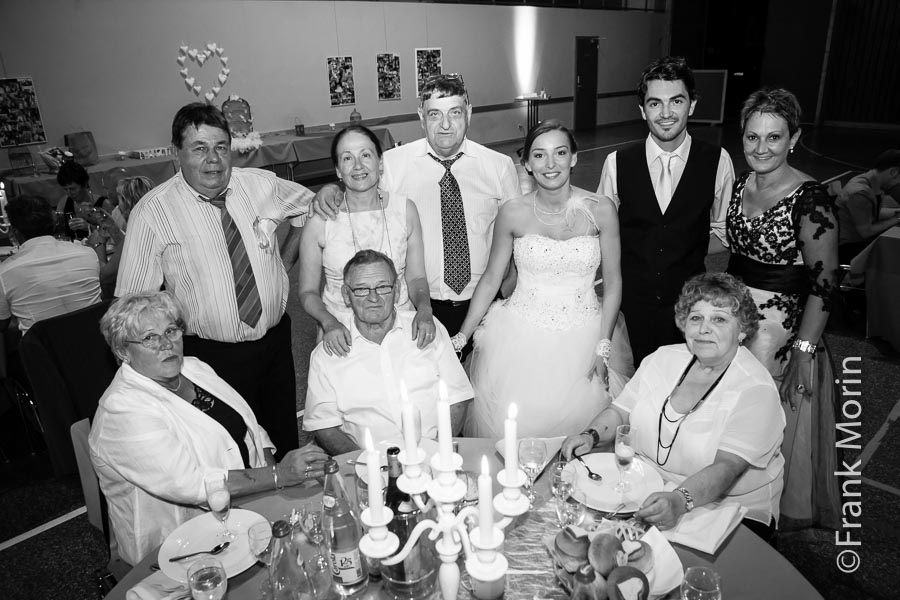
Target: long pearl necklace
x: 535, y: 210
x: 385, y: 233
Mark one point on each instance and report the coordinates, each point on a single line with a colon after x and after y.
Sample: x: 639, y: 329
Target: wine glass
x: 207, y: 579
x: 219, y: 499
x: 570, y: 509
x: 560, y: 482
x: 624, y: 455
x: 260, y: 536
x: 701, y: 583
x: 532, y: 453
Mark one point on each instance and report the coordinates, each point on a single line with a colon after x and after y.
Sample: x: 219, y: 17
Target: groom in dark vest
x: 672, y: 192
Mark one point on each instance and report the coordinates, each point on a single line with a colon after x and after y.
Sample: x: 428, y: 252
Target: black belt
x: 784, y: 279
x: 450, y: 303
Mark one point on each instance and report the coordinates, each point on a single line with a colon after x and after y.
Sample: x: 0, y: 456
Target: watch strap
x: 688, y: 499
x: 595, y: 436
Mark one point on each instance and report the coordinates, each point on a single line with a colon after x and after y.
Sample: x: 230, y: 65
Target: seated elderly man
x: 862, y: 210
x: 348, y: 394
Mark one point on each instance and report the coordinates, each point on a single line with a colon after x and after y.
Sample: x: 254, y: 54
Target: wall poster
x: 340, y: 80
x: 428, y: 63
x: 388, y: 76
x: 20, y: 116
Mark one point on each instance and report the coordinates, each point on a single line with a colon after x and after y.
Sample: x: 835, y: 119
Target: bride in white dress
x: 539, y: 348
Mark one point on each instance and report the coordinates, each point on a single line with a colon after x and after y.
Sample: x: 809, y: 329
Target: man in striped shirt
x: 208, y: 235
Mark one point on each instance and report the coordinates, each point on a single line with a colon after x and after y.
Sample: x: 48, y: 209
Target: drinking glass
x: 532, y: 454
x: 570, y: 510
x: 560, y: 482
x: 219, y: 500
x: 260, y: 536
x: 701, y: 583
x: 207, y: 579
x: 624, y: 455
x: 311, y: 524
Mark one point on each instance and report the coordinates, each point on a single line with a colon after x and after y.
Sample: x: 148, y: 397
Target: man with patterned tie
x: 457, y: 186
x: 208, y: 235
x: 672, y: 192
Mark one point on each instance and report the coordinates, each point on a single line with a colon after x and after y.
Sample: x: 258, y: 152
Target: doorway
x: 587, y: 51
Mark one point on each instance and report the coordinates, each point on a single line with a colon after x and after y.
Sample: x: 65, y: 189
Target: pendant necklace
x: 384, y: 230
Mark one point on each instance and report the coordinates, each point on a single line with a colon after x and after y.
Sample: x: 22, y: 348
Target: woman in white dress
x: 547, y: 347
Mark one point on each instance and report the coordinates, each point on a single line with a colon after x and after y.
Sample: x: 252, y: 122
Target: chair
x: 21, y: 162
x: 69, y: 366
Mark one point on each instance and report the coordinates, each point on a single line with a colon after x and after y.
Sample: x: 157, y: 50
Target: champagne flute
x: 219, y: 499
x: 701, y: 583
x: 311, y: 524
x: 532, y: 453
x: 560, y: 482
x: 207, y: 579
x: 570, y: 510
x: 260, y: 536
x: 624, y: 455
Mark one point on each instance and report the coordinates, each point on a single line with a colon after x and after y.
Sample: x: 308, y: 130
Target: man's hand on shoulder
x: 327, y: 201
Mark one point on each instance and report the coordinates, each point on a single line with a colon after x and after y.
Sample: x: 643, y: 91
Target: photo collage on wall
x: 388, y: 76
x: 20, y: 116
x: 428, y: 63
x: 341, y: 88
x: 340, y: 80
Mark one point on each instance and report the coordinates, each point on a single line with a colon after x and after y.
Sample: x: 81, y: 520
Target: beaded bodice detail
x: 555, y: 285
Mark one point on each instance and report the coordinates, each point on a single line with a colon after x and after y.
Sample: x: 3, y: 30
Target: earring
x: 792, y: 149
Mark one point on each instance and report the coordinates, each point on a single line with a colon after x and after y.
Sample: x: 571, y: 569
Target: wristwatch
x: 688, y: 499
x: 804, y: 346
x: 595, y: 436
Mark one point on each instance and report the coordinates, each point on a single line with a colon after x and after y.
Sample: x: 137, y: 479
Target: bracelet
x: 459, y: 341
x: 275, y: 476
x: 595, y: 436
x: 688, y: 499
x: 804, y: 346
x: 603, y: 348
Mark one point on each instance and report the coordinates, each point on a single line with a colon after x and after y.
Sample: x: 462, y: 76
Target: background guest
x: 863, y: 215
x: 71, y: 210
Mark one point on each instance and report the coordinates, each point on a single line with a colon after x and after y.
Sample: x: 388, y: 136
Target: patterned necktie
x: 665, y: 180
x: 248, y: 301
x: 457, y: 268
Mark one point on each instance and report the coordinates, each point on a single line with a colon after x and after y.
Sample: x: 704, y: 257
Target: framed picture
x: 388, y: 76
x: 340, y: 80
x: 20, y: 115
x: 428, y: 63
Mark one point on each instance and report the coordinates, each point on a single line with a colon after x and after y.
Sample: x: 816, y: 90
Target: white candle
x: 445, y: 434
x: 510, y: 444
x: 485, y: 510
x: 373, y: 468
x: 407, y: 419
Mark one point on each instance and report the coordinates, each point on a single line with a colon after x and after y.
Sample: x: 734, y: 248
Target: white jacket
x: 152, y: 450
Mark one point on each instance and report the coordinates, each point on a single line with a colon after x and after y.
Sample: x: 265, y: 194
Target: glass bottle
x: 583, y: 584
x: 287, y: 575
x: 342, y: 534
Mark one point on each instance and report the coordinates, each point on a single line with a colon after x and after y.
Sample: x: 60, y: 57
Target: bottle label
x: 328, y: 501
x: 346, y: 567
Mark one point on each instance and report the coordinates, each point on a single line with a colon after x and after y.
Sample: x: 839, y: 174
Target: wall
x: 109, y: 66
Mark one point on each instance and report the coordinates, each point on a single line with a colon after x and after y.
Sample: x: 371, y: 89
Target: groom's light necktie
x: 665, y: 180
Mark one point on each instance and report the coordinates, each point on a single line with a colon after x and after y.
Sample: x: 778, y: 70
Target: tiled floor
x: 60, y: 562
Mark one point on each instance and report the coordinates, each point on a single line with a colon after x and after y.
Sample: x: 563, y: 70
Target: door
x: 586, y: 64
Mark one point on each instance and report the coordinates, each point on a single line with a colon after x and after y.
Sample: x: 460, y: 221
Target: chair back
x: 90, y: 485
x: 69, y: 366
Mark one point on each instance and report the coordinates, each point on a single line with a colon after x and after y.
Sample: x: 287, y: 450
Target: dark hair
x: 443, y: 86
x: 543, y: 127
x: 775, y: 101
x: 722, y: 290
x: 888, y: 159
x: 71, y: 172
x: 196, y: 114
x: 360, y: 129
x: 667, y: 68
x: 31, y: 216
x: 369, y: 257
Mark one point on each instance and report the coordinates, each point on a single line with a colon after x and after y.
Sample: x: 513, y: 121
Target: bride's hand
x: 601, y: 371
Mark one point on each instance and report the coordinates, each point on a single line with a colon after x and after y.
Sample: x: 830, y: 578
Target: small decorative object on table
x: 240, y: 123
x: 355, y: 117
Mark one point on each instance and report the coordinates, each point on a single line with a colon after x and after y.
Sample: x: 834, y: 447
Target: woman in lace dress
x: 369, y: 219
x: 537, y: 348
x: 783, y: 236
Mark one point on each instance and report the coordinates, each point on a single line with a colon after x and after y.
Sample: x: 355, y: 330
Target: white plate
x: 430, y: 447
x: 603, y: 495
x: 553, y: 446
x: 202, y: 533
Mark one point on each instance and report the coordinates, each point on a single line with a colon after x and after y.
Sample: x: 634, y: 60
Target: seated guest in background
x: 369, y: 218
x: 707, y: 413
x: 73, y: 207
x: 362, y: 390
x: 46, y: 277
x: 167, y: 422
x: 861, y: 210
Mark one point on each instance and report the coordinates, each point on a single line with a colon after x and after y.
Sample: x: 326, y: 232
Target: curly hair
x: 124, y: 317
x: 774, y: 101
x: 667, y: 68
x: 722, y: 290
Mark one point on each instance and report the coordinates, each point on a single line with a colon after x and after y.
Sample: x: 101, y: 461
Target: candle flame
x: 513, y: 411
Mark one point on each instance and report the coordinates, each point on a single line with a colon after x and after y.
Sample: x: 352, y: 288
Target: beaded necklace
x: 535, y: 210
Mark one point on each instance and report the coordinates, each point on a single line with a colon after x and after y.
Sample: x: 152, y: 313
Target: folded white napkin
x: 706, y: 527
x: 667, y: 571
x: 157, y: 586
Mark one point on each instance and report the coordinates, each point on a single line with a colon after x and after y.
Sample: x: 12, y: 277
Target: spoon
x: 615, y: 511
x: 217, y: 550
x: 591, y: 474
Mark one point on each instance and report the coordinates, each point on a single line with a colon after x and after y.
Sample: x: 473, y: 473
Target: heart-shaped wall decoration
x: 200, y: 56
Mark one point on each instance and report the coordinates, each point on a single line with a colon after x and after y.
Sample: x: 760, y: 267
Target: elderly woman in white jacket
x: 167, y: 422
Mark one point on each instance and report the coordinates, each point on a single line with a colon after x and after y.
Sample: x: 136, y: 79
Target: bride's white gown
x: 537, y: 347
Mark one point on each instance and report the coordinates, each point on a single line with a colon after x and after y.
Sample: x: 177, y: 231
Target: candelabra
x: 4, y: 220
x: 485, y: 564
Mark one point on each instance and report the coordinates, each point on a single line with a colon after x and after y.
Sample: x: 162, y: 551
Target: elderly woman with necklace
x: 707, y: 413
x: 369, y: 219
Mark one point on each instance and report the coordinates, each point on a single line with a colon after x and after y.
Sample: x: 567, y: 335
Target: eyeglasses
x: 152, y: 341
x: 381, y: 290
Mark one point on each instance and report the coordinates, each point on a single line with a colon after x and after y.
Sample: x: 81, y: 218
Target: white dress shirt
x: 724, y: 180
x: 176, y: 238
x: 362, y: 389
x: 47, y: 278
x: 486, y: 180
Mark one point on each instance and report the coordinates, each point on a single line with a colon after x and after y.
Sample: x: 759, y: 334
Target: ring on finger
x: 801, y: 388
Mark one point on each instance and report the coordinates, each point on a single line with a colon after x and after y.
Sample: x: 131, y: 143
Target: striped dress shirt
x: 486, y: 180
x: 175, y: 237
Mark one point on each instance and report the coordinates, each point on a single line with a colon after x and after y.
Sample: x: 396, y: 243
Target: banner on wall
x: 340, y: 80
x: 428, y: 63
x: 20, y: 115
x: 388, y: 76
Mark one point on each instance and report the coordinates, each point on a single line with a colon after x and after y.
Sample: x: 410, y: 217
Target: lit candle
x: 511, y: 446
x: 485, y: 510
x: 445, y: 434
x: 408, y: 421
x: 373, y: 468
x: 2, y: 199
